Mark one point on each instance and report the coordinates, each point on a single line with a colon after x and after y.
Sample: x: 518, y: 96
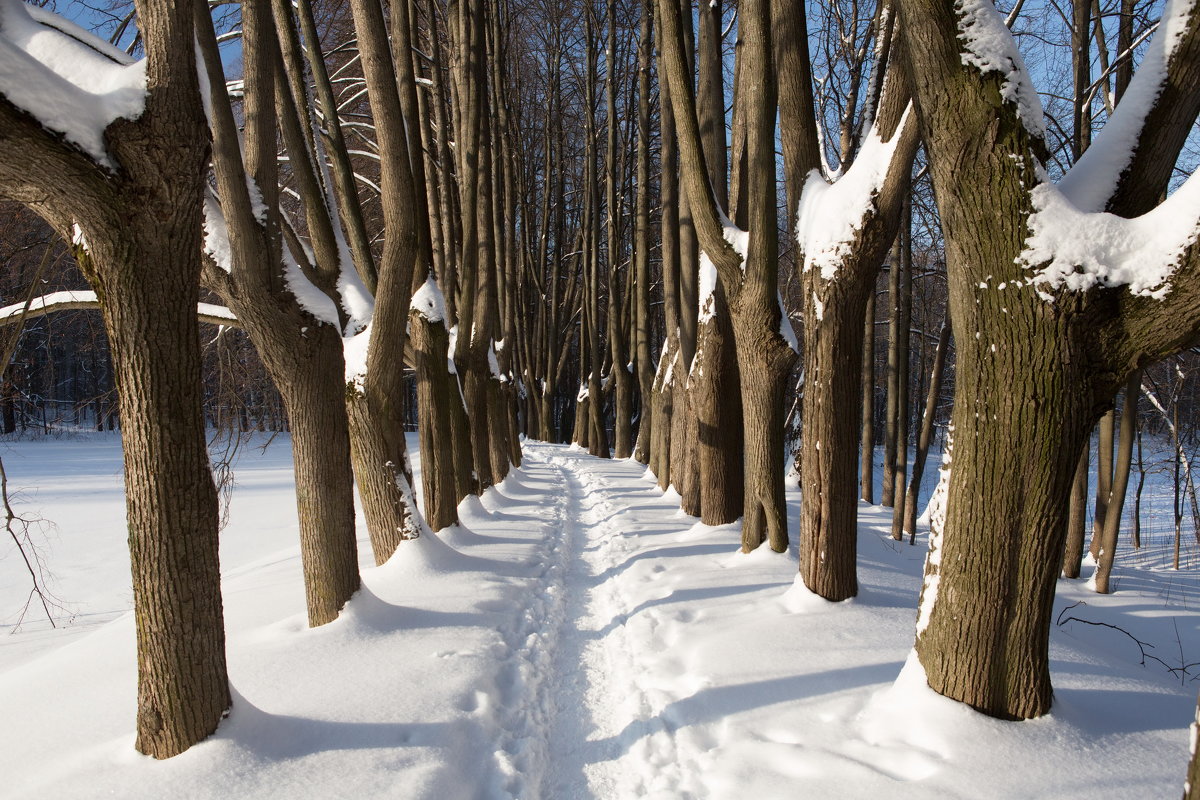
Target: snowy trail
x: 617, y: 673
x: 576, y: 637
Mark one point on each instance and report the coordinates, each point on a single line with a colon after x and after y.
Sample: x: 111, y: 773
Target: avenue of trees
x: 605, y: 223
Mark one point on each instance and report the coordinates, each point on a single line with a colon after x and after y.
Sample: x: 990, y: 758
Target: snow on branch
x: 1092, y: 180
x: 74, y: 301
x: 1079, y: 249
x: 989, y: 46
x: 831, y: 215
x: 70, y: 81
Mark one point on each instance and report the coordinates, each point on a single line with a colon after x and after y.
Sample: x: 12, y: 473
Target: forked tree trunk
x: 769, y: 359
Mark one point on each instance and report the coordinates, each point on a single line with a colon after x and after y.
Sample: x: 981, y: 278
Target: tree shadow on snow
x: 716, y: 703
x: 279, y: 737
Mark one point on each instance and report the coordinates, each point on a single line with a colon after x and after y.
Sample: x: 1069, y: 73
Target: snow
x: 69, y: 80
x: 831, y: 215
x: 357, y: 302
x: 354, y: 352
x: 307, y: 295
x: 1071, y: 247
x: 785, y: 326
x: 988, y: 45
x: 216, y: 233
x: 706, y: 287
x: 575, y: 636
x: 429, y: 302
x: 61, y: 298
x: 1090, y: 183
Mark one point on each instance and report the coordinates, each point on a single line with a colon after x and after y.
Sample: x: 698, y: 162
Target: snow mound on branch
x: 429, y: 302
x: 71, y: 82
x: 1070, y: 247
x: 354, y: 352
x: 989, y: 46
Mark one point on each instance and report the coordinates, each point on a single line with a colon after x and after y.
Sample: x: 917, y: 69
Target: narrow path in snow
x: 607, y: 738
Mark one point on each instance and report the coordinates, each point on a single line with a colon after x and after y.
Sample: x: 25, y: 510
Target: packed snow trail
x: 574, y: 637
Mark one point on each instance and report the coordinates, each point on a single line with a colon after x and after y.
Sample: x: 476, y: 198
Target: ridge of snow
x: 989, y: 46
x: 936, y: 515
x: 310, y: 298
x: 216, y: 233
x: 70, y: 81
x: 706, y: 287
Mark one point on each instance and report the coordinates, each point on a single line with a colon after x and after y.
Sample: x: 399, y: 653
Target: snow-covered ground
x: 575, y: 637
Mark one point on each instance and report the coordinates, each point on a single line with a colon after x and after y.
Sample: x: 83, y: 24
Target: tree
x: 745, y: 261
x: 1048, y: 322
x: 845, y: 228
x: 293, y: 316
x: 129, y: 194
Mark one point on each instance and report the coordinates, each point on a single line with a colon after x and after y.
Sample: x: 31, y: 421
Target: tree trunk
x: 169, y: 494
x: 1112, y: 520
x: 926, y: 436
x: 829, y: 513
x: 437, y: 394
x: 866, y: 472
x: 1077, y: 517
x: 314, y: 391
x: 891, y: 413
x: 904, y: 308
x: 717, y: 406
x: 1104, y: 476
x: 649, y: 408
x: 983, y: 625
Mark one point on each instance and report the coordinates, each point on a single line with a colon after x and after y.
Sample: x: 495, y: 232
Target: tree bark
x: 1077, y: 516
x: 1112, y: 521
x: 866, y: 469
x: 141, y: 222
x: 926, y: 436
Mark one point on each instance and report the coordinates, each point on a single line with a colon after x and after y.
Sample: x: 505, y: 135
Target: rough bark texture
x: 142, y: 226
x: 325, y: 501
x: 717, y: 405
x: 437, y: 393
x: 1033, y: 376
